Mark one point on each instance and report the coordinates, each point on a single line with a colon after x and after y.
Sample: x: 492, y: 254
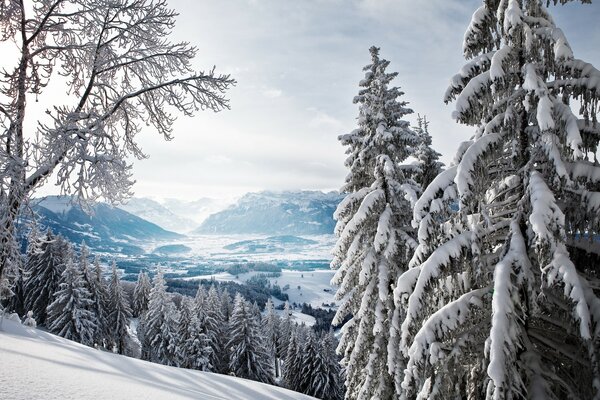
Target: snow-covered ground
x: 211, y: 247
x: 37, y: 365
x: 315, y: 287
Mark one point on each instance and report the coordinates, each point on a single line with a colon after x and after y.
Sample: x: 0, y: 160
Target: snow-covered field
x: 211, y: 247
x: 37, y: 365
x: 315, y: 288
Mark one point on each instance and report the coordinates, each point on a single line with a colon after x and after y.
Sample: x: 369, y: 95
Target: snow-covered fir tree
x: 428, y: 160
x: 292, y: 367
x: 141, y: 294
x: 101, y: 306
x: 249, y: 356
x: 68, y: 315
x: 270, y: 328
x: 374, y: 230
x: 320, y: 375
x: 160, y: 325
x: 44, y: 267
x: 496, y: 305
x: 119, y: 311
x: 226, y: 303
x: 330, y: 385
x: 285, y: 333
x: 214, y: 321
x: 311, y: 371
x: 194, y: 349
x: 18, y: 301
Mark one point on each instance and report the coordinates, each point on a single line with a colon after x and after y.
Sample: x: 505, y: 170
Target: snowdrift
x: 37, y: 365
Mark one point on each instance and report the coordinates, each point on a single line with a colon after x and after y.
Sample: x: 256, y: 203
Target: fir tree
x: 18, y: 301
x: 160, y: 325
x: 68, y: 315
x: 311, y: 370
x: 45, y: 268
x: 428, y: 162
x: 496, y: 306
x: 249, y: 357
x: 216, y: 330
x: 119, y: 312
x: 194, y: 349
x: 141, y: 294
x: 292, y: 367
x: 285, y: 332
x: 270, y: 325
x: 101, y: 304
x: 375, y: 232
x: 320, y: 370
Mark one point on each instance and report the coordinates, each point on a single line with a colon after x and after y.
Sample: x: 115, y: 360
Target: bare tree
x: 121, y: 73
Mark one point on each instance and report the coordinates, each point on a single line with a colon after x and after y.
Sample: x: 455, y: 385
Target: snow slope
x: 38, y: 365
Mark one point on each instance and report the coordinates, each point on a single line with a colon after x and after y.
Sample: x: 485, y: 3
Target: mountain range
x: 124, y: 229
x: 276, y: 213
x: 105, y: 228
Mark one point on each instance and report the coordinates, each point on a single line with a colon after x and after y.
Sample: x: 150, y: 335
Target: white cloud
x: 272, y: 93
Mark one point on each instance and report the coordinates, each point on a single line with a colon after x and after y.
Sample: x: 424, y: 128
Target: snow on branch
x: 562, y: 268
x: 443, y: 321
x: 504, y: 333
x: 584, y: 170
x: 476, y: 86
x: 464, y: 176
x: 429, y: 270
x: 546, y: 217
x: 573, y: 136
x: 440, y: 183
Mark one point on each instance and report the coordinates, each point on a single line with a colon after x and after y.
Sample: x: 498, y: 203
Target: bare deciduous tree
x: 121, y: 73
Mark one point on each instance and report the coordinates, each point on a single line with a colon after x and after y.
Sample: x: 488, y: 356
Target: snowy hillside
x: 106, y: 229
x: 276, y: 213
x: 44, y: 366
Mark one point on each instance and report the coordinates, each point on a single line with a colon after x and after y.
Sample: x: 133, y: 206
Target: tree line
x: 61, y: 291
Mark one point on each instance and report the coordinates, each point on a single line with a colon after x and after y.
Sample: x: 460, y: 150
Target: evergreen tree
x: 226, y: 304
x: 330, y: 385
x: 249, y: 356
x: 201, y: 296
x: 216, y: 330
x: 68, y: 315
x: 311, y: 371
x: 194, y: 349
x: 498, y: 307
x: 427, y: 158
x: 160, y: 325
x: 141, y: 294
x: 292, y: 367
x: 375, y: 232
x: 101, y: 304
x: 285, y: 332
x: 18, y: 301
x: 270, y: 325
x: 119, y: 312
x: 45, y: 268
x: 320, y: 376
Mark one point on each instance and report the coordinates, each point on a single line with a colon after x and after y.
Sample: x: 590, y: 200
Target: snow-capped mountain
x: 105, y: 229
x: 197, y: 210
x: 155, y: 212
x: 173, y: 214
x: 276, y: 213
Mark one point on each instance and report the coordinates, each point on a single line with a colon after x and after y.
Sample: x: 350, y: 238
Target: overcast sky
x: 298, y: 64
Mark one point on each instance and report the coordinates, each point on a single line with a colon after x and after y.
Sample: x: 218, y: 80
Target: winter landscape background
x: 387, y: 199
